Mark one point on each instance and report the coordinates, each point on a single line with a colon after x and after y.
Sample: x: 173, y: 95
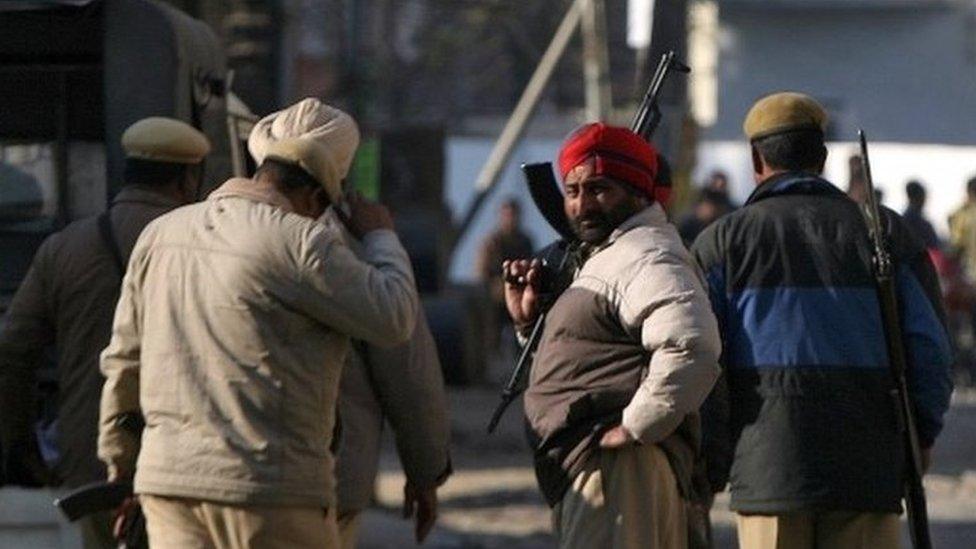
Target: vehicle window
x: 28, y: 188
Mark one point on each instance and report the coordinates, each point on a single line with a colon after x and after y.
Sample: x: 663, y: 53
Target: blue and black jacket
x: 804, y: 418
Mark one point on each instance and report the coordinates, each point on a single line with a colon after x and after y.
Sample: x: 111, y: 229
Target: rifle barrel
x: 914, y: 491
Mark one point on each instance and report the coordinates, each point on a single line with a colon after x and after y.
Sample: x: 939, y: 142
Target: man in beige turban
x: 67, y: 300
x: 229, y: 338
x: 401, y: 385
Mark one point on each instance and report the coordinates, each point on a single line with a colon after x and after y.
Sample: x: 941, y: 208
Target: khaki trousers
x: 179, y: 523
x: 826, y: 530
x: 349, y: 529
x: 625, y: 498
x: 96, y: 531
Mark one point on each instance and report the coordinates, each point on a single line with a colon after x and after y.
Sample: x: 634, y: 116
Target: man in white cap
x: 67, y: 300
x: 229, y: 337
x: 402, y: 385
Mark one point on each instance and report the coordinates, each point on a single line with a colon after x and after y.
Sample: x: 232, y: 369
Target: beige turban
x: 333, y: 132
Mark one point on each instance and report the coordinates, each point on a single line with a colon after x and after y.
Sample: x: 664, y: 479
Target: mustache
x: 595, y: 218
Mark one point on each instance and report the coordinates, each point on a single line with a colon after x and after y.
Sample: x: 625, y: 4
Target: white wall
x: 905, y: 73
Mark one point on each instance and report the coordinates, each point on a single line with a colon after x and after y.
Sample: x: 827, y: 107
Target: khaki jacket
x: 962, y: 236
x: 67, y: 301
x: 402, y: 385
x: 229, y: 337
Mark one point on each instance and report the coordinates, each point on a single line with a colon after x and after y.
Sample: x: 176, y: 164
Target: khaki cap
x: 311, y: 156
x: 781, y: 112
x: 165, y: 140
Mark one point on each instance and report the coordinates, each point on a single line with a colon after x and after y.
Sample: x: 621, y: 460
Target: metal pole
x: 520, y: 117
x: 596, y: 62
x: 61, y: 153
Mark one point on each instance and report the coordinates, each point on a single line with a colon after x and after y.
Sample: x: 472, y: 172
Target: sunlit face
x: 596, y: 205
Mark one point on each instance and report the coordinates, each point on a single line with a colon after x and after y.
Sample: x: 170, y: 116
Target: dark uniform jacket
x: 67, y: 300
x: 805, y: 412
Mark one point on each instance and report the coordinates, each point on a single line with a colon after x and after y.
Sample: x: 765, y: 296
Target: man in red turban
x: 628, y: 354
x: 612, y: 156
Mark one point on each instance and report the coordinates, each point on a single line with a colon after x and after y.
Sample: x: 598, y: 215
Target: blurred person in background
x: 628, y: 353
x: 507, y: 241
x: 403, y: 386
x: 856, y: 188
x: 718, y: 183
x: 68, y: 299
x: 914, y: 215
x: 962, y: 230
x: 709, y: 207
x: 801, y: 421
x: 712, y: 203
x: 232, y: 327
x: 959, y: 275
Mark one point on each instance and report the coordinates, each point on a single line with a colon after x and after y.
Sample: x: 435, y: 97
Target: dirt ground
x: 491, y: 501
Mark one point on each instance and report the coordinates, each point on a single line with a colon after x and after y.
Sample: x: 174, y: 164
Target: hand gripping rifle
x: 918, y: 520
x: 559, y: 259
x: 105, y: 496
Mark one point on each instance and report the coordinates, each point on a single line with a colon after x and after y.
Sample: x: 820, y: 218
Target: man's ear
x: 823, y: 159
x: 757, y: 161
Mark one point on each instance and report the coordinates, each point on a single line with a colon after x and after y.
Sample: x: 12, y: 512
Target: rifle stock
x: 918, y: 520
x: 93, y: 498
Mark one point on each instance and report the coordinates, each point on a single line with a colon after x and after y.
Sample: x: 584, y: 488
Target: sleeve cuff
x: 381, y: 238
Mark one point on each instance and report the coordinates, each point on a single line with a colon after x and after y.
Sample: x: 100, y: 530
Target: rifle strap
x: 107, y: 233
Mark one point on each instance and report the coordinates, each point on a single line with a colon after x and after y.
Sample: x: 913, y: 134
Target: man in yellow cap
x: 67, y: 301
x: 229, y: 337
x: 805, y: 404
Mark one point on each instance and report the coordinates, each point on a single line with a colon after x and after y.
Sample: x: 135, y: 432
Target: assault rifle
x: 559, y: 258
x: 918, y: 520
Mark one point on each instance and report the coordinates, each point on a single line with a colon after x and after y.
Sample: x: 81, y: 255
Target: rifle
x: 918, y: 520
x: 548, y: 198
x: 103, y: 496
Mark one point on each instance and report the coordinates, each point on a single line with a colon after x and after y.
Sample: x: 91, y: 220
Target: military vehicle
x: 73, y: 75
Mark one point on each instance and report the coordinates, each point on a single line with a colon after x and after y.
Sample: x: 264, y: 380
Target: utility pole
x: 596, y: 61
x: 517, y: 122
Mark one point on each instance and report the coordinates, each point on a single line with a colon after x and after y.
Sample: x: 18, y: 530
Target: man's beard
x: 595, y: 227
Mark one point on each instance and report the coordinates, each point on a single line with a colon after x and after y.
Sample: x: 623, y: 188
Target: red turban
x: 617, y: 153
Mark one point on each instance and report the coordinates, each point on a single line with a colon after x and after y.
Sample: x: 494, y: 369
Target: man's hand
x: 123, y: 517
x: 618, y: 437
x: 364, y: 216
x: 423, y: 502
x: 522, y: 278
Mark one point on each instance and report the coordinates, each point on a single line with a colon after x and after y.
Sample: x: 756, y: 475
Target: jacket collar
x: 137, y: 194
x: 240, y: 187
x: 793, y: 183
x: 652, y: 216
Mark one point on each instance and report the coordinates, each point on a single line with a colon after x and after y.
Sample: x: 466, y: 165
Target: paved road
x: 491, y: 501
